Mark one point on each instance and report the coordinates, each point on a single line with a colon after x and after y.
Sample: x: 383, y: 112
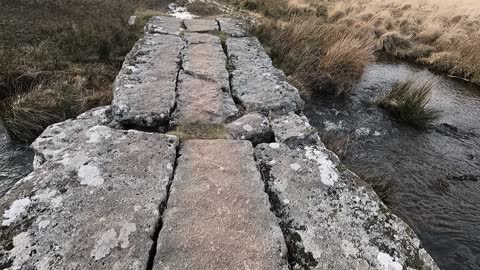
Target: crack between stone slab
x: 161, y: 211
x: 296, y: 256
x: 229, y: 67
x: 177, y: 80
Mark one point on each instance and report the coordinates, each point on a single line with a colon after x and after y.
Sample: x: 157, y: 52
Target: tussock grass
x: 337, y: 143
x: 59, y: 58
x: 382, y: 186
x: 442, y: 34
x: 323, y: 57
x: 408, y: 102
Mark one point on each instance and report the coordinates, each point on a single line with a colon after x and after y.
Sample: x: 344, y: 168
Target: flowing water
x: 15, y: 162
x: 435, y: 173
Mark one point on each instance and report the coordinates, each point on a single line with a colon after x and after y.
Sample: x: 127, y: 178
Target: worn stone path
x: 114, y: 189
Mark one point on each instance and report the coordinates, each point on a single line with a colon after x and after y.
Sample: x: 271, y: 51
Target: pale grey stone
x: 256, y: 83
x: 203, y: 92
x: 144, y: 91
x: 233, y: 27
x: 253, y: 127
x: 294, y: 130
x: 218, y: 215
x: 164, y: 25
x: 93, y: 204
x: 201, y: 25
x: 201, y: 101
x: 331, y: 219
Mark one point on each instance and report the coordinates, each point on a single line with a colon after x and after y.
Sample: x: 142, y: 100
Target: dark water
x: 15, y: 162
x: 435, y: 173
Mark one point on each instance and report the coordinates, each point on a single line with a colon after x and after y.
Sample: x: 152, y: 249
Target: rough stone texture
x: 201, y: 102
x: 144, y: 93
x: 93, y: 204
x: 56, y: 137
x: 233, y: 27
x: 203, y: 86
x: 253, y: 127
x: 331, y: 219
x: 201, y: 25
x: 164, y: 25
x: 218, y: 215
x: 256, y: 83
x: 294, y: 130
x: 204, y: 58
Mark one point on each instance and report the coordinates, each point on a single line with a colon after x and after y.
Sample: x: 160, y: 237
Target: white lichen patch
x: 43, y: 224
x: 247, y: 128
x: 359, y: 132
x: 107, y: 241
x: 125, y: 231
x: 17, y: 208
x: 98, y: 133
x: 328, y: 172
x: 20, y: 252
x: 295, y: 166
x: 180, y: 12
x: 330, y: 126
x: 90, y: 176
x: 274, y: 145
x: 387, y: 262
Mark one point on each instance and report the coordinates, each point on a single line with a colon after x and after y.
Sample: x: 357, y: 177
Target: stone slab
x: 233, y: 27
x: 332, y: 219
x: 201, y: 102
x: 93, y: 204
x: 294, y: 130
x: 256, y: 83
x: 204, y: 58
x: 164, y: 25
x: 203, y: 93
x: 252, y: 127
x: 201, y: 25
x: 218, y: 215
x: 144, y: 91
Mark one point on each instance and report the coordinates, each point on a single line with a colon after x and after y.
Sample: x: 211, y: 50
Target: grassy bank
x: 444, y: 35
x: 59, y: 58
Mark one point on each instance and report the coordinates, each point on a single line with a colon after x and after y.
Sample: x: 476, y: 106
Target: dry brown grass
x: 324, y: 57
x: 442, y: 34
x: 59, y: 58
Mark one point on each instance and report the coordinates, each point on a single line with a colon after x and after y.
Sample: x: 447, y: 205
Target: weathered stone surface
x: 56, y: 137
x: 218, y: 215
x: 331, y: 219
x: 294, y: 130
x: 144, y: 93
x: 93, y: 204
x: 256, y: 83
x: 233, y: 27
x: 201, y: 25
x: 204, y: 58
x: 253, y: 127
x: 164, y: 25
x: 201, y: 102
x: 203, y: 94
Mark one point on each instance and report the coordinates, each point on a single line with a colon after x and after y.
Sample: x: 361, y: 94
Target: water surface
x: 435, y: 173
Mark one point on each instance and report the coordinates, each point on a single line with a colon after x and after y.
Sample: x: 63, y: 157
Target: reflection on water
x: 435, y: 173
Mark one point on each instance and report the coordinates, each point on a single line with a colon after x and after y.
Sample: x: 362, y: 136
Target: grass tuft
x: 408, y: 102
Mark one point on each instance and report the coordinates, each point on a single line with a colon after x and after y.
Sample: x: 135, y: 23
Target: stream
x: 15, y: 162
x: 434, y: 173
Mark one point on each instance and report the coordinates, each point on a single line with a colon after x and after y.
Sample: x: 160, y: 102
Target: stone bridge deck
x: 113, y: 189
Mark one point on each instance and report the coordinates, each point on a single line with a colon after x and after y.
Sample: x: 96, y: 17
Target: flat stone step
x: 93, y: 203
x: 201, y: 25
x: 258, y: 85
x: 218, y: 215
x: 144, y: 93
x: 203, y: 93
x: 331, y: 219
